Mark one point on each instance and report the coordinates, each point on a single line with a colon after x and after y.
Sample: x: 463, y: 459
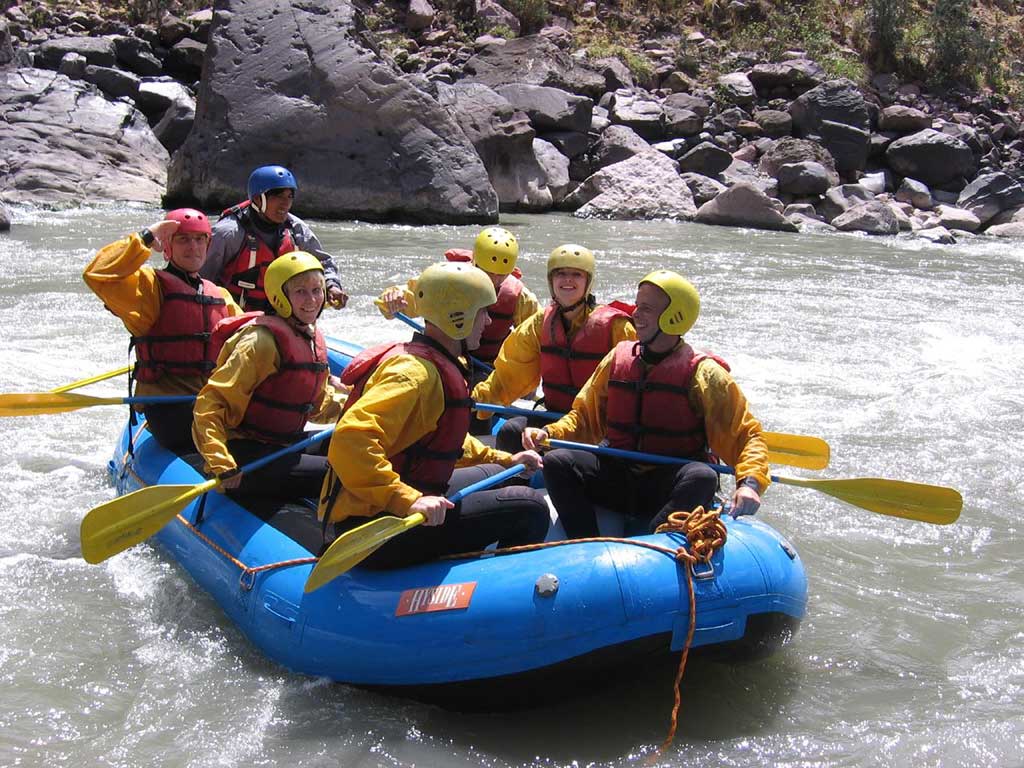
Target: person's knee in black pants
x: 510, y: 435
x: 565, y: 475
x: 694, y: 485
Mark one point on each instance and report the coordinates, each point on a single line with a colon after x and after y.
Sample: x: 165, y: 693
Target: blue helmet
x: 268, y: 177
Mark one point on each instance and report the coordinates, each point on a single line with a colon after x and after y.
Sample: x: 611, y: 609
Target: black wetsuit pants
x: 510, y: 516
x: 577, y: 480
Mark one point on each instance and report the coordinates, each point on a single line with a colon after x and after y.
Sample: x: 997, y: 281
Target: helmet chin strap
x: 262, y: 207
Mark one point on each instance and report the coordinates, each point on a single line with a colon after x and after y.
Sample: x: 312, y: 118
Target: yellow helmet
x: 572, y: 256
x: 450, y: 294
x: 683, y: 301
x: 495, y: 250
x: 280, y: 271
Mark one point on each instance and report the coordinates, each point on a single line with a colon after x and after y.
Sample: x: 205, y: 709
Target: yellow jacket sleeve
x: 623, y: 330
x: 587, y: 421
x: 526, y: 307
x: 402, y: 401
x: 516, y: 369
x: 475, y: 452
x: 126, y: 285
x: 248, y: 357
x: 733, y: 433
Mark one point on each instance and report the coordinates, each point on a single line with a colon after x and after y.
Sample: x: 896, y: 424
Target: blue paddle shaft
x: 419, y: 327
x: 648, y: 458
x: 504, y: 410
x: 487, y: 482
x: 270, y: 457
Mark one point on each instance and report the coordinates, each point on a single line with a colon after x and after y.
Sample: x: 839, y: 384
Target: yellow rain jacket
x: 733, y: 433
x: 402, y: 401
x: 248, y: 357
x: 129, y: 288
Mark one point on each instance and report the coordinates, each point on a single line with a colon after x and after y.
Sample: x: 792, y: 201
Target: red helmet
x: 189, y: 220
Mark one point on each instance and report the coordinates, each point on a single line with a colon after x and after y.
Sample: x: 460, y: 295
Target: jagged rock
x: 790, y: 150
x: 73, y: 66
x: 686, y: 102
x: 902, y: 216
x: 746, y: 153
x: 937, y: 235
x: 98, y: 51
x: 681, y: 121
x: 957, y: 218
x: 838, y: 200
x: 172, y: 30
x: 702, y: 188
x: 373, y: 145
x: 200, y: 21
x: 744, y: 205
x: 550, y: 109
x: 1012, y: 229
x: 503, y: 139
x: 835, y: 112
x: 616, y: 144
x: 639, y: 110
x: 185, y: 60
x: 556, y: 169
x: 803, y: 179
x: 1009, y: 216
x: 136, y: 55
x: 876, y: 183
x: 989, y: 194
x: 419, y: 16
x: 873, y: 217
x: 535, y: 61
x: 113, y: 82
x: 646, y: 186
x: 6, y: 51
x: 490, y: 15
x: 774, y: 122
x: 931, y: 157
x: 616, y: 74
x: 705, y: 159
x: 787, y: 74
x: 173, y: 128
x: 569, y: 143
x: 736, y: 88
x: 741, y: 172
x: 157, y: 95
x: 902, y: 120
x: 63, y: 143
x: 966, y: 133
x: 914, y: 192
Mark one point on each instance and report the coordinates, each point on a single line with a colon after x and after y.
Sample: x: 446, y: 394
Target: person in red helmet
x: 169, y: 313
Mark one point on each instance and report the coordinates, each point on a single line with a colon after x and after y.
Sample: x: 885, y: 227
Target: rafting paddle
x: 92, y: 380
x: 897, y: 498
x: 790, y: 450
x: 352, y: 547
x: 127, y: 520
x: 35, y: 403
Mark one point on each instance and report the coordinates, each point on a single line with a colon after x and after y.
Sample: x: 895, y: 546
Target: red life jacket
x: 427, y: 464
x: 280, y: 406
x: 565, y: 365
x: 243, y: 275
x: 501, y: 312
x: 649, y: 406
x: 178, y: 343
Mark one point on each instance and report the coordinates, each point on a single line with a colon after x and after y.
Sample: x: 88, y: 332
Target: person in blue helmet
x: 253, y: 233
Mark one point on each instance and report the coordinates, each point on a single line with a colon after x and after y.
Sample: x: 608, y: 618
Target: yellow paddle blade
x: 797, y: 450
x: 35, y: 403
x: 127, y: 520
x: 352, y: 547
x: 92, y: 380
x: 913, y: 501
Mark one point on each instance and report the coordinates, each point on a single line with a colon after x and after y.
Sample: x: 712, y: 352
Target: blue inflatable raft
x: 472, y: 632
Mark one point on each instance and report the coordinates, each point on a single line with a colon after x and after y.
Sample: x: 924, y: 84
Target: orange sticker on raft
x: 444, y: 597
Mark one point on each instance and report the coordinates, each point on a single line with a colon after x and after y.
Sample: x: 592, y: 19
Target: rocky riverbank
x: 398, y: 116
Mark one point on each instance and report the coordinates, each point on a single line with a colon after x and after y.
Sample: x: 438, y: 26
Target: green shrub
x: 887, y: 21
x: 963, y: 49
x: 532, y: 14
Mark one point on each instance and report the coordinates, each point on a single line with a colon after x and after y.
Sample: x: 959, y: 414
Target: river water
x: 906, y: 357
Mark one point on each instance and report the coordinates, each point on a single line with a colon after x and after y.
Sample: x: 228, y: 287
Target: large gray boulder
x: 616, y: 144
x: 639, y: 110
x: 931, y: 157
x: 98, y: 51
x: 989, y: 194
x: 647, y: 186
x: 556, y: 168
x: 835, y: 113
x: 296, y: 83
x: 744, y: 205
x: 872, y: 216
x: 503, y: 139
x: 536, y: 61
x: 788, y: 150
x: 62, y: 142
x: 787, y: 74
x: 549, y: 109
